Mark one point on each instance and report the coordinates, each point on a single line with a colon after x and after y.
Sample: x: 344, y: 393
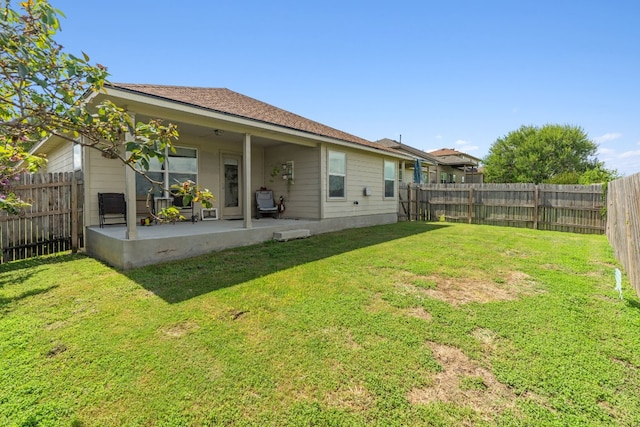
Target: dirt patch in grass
x: 486, y: 337
x: 461, y: 290
x: 57, y: 349
x: 419, y: 313
x: 464, y: 382
x: 343, y: 336
x: 351, y: 397
x: 179, y: 330
x: 377, y: 305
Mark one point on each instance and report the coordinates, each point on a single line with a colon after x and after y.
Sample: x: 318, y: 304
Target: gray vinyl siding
x: 60, y: 159
x: 364, y: 169
x: 107, y: 176
x: 302, y: 197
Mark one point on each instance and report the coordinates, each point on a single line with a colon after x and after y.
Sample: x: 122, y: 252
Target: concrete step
x: 283, y: 236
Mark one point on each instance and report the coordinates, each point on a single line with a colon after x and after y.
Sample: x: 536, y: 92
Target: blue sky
x: 443, y: 74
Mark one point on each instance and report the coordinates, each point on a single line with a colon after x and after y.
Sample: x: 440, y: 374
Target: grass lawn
x: 405, y: 324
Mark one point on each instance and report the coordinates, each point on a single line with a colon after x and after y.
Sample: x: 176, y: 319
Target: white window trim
x: 384, y: 179
x: 329, y: 174
x: 77, y: 156
x: 166, y: 171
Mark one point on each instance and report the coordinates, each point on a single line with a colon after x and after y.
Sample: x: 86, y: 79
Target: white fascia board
x: 51, y: 140
x: 369, y: 149
x: 40, y: 144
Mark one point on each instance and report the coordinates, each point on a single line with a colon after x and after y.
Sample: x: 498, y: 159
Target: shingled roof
x: 229, y: 102
x: 451, y: 152
x: 387, y: 142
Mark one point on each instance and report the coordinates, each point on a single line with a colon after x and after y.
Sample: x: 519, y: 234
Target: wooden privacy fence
x: 623, y: 226
x: 53, y: 221
x: 571, y: 208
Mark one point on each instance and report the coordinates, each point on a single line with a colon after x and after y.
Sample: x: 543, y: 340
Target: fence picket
x: 623, y: 227
x: 47, y: 226
x: 547, y: 207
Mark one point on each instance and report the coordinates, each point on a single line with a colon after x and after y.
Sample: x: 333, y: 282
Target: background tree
x: 552, y: 153
x: 45, y: 91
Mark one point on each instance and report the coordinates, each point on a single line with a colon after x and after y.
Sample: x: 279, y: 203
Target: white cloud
x: 608, y: 137
x: 438, y: 136
x: 627, y: 154
x: 606, y: 151
x: 466, y: 145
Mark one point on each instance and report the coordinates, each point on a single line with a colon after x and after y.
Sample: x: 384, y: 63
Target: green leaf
x: 23, y: 71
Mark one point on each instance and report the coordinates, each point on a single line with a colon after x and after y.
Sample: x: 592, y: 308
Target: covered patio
x: 167, y: 242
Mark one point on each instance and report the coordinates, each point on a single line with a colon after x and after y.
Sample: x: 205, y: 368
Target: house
x: 428, y: 163
x: 457, y: 167
x: 233, y: 145
x: 441, y: 166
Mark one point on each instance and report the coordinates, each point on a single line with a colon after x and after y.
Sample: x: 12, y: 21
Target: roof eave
x: 295, y: 135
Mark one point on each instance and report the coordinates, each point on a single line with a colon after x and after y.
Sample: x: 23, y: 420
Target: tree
x: 45, y: 91
x: 598, y: 174
x: 552, y: 153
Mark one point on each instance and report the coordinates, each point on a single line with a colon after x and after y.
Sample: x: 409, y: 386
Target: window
x: 337, y: 174
x: 443, y: 177
x: 177, y: 167
x: 77, y: 157
x: 389, y: 178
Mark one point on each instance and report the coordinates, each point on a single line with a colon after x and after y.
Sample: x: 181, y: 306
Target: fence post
x: 74, y: 213
x: 418, y: 203
x: 536, y: 196
x: 409, y: 202
x: 470, y: 211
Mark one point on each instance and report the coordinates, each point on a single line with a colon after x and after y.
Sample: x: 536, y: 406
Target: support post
x: 130, y: 193
x: 246, y: 181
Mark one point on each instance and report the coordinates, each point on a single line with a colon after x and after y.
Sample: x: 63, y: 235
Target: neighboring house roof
x: 408, y: 149
x: 229, y: 102
x: 449, y: 156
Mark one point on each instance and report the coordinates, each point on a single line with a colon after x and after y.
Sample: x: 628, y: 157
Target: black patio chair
x: 112, y: 207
